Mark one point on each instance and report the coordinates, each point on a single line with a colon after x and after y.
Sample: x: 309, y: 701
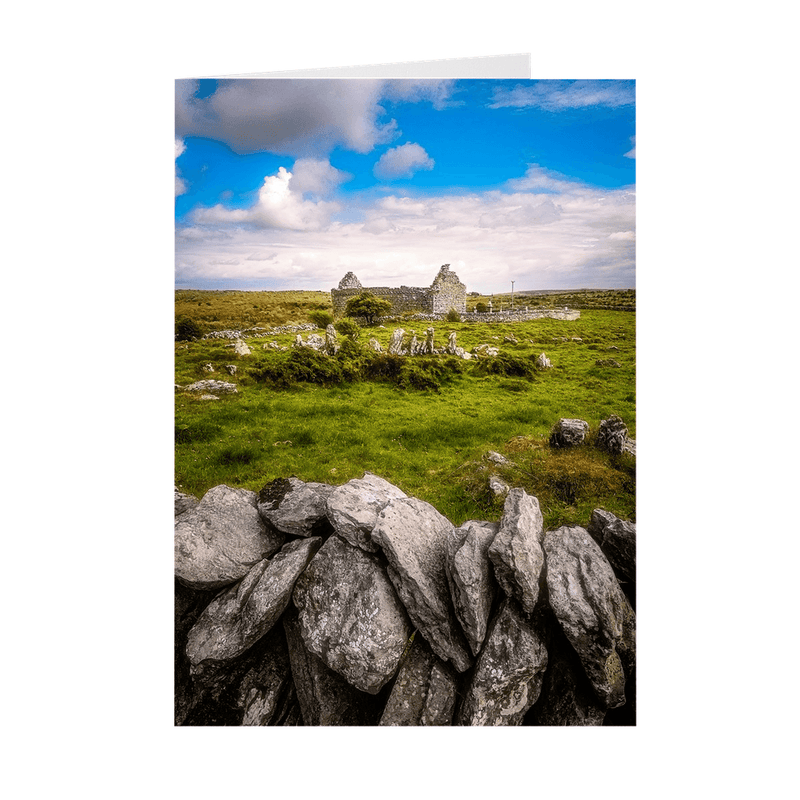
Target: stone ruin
x: 445, y: 293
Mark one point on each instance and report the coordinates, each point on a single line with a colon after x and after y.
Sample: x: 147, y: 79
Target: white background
x: 88, y: 205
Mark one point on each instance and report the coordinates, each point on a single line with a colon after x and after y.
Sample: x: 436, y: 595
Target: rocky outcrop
x: 396, y: 342
x: 212, y: 387
x: 280, y: 619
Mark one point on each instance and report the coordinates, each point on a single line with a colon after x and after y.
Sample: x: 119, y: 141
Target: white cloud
x: 542, y: 231
x: 180, y: 185
x: 286, y: 117
x: 561, y: 95
x: 316, y: 177
x: 402, y: 162
x: 632, y: 153
x: 278, y: 206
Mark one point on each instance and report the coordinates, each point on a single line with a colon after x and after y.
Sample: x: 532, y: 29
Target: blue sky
x: 288, y: 184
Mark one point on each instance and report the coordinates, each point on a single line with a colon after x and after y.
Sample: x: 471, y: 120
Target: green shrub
x: 321, y: 318
x: 348, y: 327
x: 300, y: 365
x: 481, y: 308
x: 187, y: 330
x: 508, y: 365
x: 453, y: 316
x: 367, y: 305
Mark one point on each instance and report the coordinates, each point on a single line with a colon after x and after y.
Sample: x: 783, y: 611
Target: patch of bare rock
x: 314, y: 605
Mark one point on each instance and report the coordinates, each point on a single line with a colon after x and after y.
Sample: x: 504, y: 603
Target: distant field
x: 430, y: 443
x: 608, y: 299
x: 216, y: 311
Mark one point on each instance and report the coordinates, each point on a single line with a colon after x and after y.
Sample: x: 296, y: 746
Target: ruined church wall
x: 406, y: 298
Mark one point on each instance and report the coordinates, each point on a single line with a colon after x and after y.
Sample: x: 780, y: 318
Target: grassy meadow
x: 430, y: 441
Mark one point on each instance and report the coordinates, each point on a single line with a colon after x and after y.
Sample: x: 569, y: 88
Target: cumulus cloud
x: 562, y: 95
x: 180, y: 184
x: 437, y: 92
x: 286, y: 117
x: 316, y: 177
x: 277, y: 206
x: 632, y: 153
x: 402, y: 162
x: 541, y: 230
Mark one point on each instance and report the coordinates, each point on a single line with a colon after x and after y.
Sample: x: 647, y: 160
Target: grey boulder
x: 592, y: 610
x: 241, y: 615
x: 353, y: 508
x: 324, y: 696
x: 221, y: 538
x: 294, y: 507
x: 425, y: 691
x: 413, y: 536
x: 569, y: 433
x: 350, y: 615
x: 509, y: 672
x: 612, y: 434
x: 617, y: 540
x: 470, y: 577
x: 516, y: 551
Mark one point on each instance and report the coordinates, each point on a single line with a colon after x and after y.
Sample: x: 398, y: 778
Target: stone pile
x: 612, y: 435
x: 311, y: 604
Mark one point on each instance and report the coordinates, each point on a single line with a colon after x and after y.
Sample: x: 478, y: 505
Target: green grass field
x: 429, y: 443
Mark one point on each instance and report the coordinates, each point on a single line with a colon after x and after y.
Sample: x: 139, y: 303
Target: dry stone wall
x: 309, y: 604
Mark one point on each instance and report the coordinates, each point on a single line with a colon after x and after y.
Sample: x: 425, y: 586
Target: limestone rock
x: 470, y: 577
x: 221, y: 538
x: 617, y: 540
x: 325, y: 697
x: 184, y: 502
x: 242, y: 614
x: 350, y: 615
x: 223, y: 691
x: 396, y: 342
x: 213, y: 387
x: 413, y: 536
x: 592, y: 610
x: 230, y: 369
x: 241, y: 348
x: 353, y: 508
x: 428, y: 347
x: 331, y: 341
x: 485, y: 350
x: 629, y: 446
x: 495, y: 458
x: 569, y: 433
x: 612, y: 434
x: 516, y: 551
x: 266, y: 693
x: 543, y: 362
x: 374, y: 345
x: 208, y: 397
x: 567, y: 697
x: 509, y: 672
x: 207, y: 368
x: 425, y: 690
x: 294, y: 507
x: 498, y: 487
